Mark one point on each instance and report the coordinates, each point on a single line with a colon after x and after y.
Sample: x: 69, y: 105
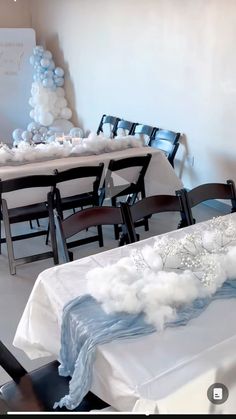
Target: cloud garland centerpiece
x: 158, y: 280
x: 94, y: 144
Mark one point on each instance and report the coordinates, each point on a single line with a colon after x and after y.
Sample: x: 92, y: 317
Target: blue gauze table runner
x: 86, y: 325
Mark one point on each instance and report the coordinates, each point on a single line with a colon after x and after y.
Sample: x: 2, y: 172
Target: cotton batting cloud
x: 141, y: 282
x: 94, y: 144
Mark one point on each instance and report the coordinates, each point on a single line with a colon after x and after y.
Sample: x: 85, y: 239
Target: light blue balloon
x: 59, y: 72
x: 76, y: 132
x: 51, y: 138
x: 45, y: 62
x: 47, y: 54
x: 16, y: 142
x: 38, y: 50
x: 47, y: 82
x: 40, y: 69
x: 32, y: 60
x: 43, y: 130
x: 48, y: 74
x: 37, y: 138
x: 36, y: 77
x: 17, y: 133
x: 59, y: 81
x: 52, y: 65
x: 27, y: 136
x: 32, y: 126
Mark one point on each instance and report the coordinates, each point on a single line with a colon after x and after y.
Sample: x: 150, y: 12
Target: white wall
x: 15, y: 14
x: 170, y: 63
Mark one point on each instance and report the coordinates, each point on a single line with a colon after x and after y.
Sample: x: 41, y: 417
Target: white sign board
x: 16, y: 77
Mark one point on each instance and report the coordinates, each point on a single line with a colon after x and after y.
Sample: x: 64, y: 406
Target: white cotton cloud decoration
x: 158, y: 280
x: 50, y: 109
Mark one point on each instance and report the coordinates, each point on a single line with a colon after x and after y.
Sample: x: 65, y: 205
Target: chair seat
x: 29, y: 212
x: 77, y: 201
x: 48, y: 387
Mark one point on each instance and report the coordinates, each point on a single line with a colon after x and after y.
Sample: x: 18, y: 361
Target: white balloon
x: 61, y: 102
x: 66, y: 113
x: 32, y: 114
x: 32, y: 101
x: 61, y: 125
x: 46, y: 118
x: 60, y: 91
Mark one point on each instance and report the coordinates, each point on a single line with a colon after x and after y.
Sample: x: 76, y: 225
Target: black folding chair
x: 39, y: 389
x: 124, y: 128
x: 167, y: 141
x: 37, y: 184
x: 152, y: 205
x: 107, y: 125
x: 144, y: 132
x: 81, y: 220
x: 208, y: 191
x: 116, y: 186
x: 67, y: 187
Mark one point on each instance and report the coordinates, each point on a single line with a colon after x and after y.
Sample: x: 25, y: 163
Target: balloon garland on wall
x: 50, y: 112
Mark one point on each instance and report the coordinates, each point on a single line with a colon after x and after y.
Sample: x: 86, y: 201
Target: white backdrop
x: 16, y: 74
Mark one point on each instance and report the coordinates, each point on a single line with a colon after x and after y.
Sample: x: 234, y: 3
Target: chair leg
x: 116, y: 227
x: 146, y: 225
x: 100, y: 236
x: 31, y: 224
x: 47, y: 235
x: 0, y: 237
x: 10, y: 249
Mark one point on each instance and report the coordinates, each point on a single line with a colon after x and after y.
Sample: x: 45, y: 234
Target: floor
x: 15, y: 289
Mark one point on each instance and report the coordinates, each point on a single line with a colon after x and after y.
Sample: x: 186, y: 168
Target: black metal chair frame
x: 23, y: 213
x: 132, y: 191
x: 152, y: 205
x: 108, y: 119
x: 39, y: 389
x: 80, y: 221
x: 167, y: 141
x: 207, y: 192
x: 90, y: 198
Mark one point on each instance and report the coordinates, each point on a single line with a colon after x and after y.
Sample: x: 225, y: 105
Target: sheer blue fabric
x: 85, y: 325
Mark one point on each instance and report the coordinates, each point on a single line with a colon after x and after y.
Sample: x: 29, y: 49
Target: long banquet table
x: 165, y: 372
x: 160, y: 177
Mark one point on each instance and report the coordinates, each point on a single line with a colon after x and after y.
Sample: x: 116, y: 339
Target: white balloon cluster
x: 50, y: 111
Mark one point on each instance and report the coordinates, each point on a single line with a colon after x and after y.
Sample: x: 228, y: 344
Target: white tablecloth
x: 160, y: 177
x: 167, y: 372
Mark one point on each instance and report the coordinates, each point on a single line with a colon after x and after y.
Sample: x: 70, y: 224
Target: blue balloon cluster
x: 50, y: 110
x: 45, y: 70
